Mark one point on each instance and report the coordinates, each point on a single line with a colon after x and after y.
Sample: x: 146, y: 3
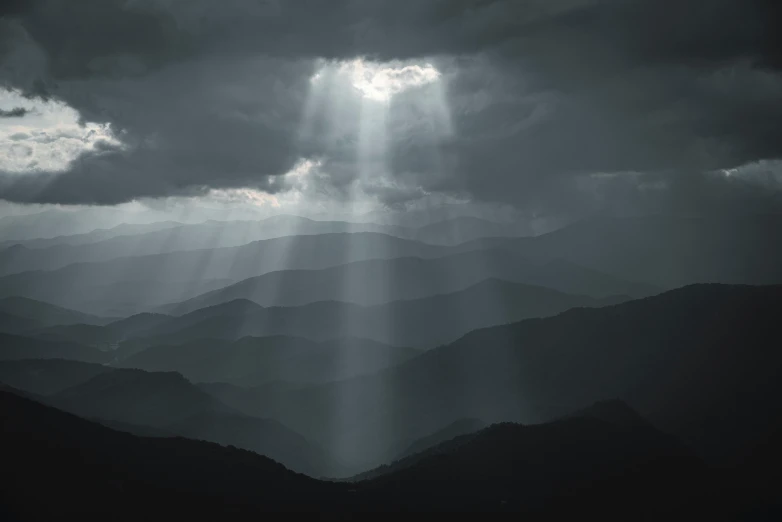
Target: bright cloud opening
x: 37, y: 135
x: 380, y: 82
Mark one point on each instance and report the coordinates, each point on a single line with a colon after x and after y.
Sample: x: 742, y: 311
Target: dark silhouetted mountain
x: 166, y: 400
x: 384, y: 280
x: 135, y: 284
x: 700, y: 362
x: 18, y: 347
x: 664, y: 251
x: 45, y: 314
x: 252, y: 361
x: 125, y: 476
x: 422, y: 323
x: 576, y: 467
x: 521, y: 466
x: 47, y: 376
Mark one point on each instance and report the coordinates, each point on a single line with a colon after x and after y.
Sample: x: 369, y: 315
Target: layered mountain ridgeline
x: 147, y: 240
x: 700, y: 362
x: 253, y: 361
x: 47, y: 376
x: 20, y: 315
x: 421, y: 323
x: 168, y: 402
x: 108, y: 335
x: 135, y: 284
x: 46, y: 314
x: 639, y: 255
x: 667, y: 252
x: 14, y: 347
x: 384, y: 280
x: 32, y: 235
x: 582, y: 466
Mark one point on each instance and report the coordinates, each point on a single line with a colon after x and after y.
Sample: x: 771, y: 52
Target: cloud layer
x: 564, y: 106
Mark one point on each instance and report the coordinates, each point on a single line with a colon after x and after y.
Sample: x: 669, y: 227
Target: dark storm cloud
x: 16, y: 112
x: 542, y: 95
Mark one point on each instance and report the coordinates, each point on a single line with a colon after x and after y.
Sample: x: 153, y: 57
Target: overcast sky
x: 557, y: 107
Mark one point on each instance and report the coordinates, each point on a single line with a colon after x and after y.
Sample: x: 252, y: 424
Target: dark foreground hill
x: 577, y: 467
x: 56, y: 463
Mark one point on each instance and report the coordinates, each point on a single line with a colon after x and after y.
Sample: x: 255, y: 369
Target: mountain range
x: 648, y: 352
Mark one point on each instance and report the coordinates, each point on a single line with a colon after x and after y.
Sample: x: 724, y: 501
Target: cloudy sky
x: 555, y: 107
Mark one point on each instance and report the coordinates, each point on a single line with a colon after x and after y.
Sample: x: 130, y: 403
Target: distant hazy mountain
x: 700, y: 362
x: 421, y: 217
x: 168, y: 401
x: 663, y: 251
x: 14, y: 347
x: 208, y: 235
x: 256, y: 360
x: 221, y: 234
x: 421, y: 323
x: 383, y: 280
x: 136, y: 283
x: 49, y: 223
x: 85, y: 238
x: 461, y: 229
x: 47, y: 376
x: 45, y: 314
